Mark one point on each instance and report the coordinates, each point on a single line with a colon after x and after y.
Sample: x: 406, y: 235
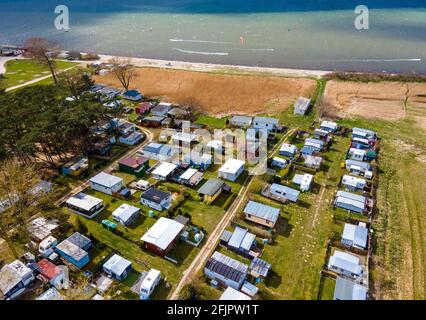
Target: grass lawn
x: 142, y: 260
x: 128, y: 245
x: 64, y: 184
x: 399, y: 221
x: 22, y: 70
x: 212, y: 122
x: 6, y: 254
x: 299, y: 251
x: 327, y: 289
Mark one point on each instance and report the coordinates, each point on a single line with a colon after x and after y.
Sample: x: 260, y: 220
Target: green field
x: 128, y: 242
x: 298, y: 254
x: 327, y: 289
x: 400, y: 221
x: 212, y: 122
x: 21, y: 71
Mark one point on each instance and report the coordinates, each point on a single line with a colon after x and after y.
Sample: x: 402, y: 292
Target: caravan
x: 148, y: 285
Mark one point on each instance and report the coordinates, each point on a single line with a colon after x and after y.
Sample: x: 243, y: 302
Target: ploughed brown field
x: 383, y: 100
x: 218, y: 94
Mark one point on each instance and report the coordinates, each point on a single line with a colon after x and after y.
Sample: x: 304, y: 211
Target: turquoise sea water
x: 308, y: 34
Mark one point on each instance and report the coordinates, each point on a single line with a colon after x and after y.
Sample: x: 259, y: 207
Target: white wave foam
x: 379, y: 60
x: 201, y: 41
x: 260, y: 49
x: 203, y: 52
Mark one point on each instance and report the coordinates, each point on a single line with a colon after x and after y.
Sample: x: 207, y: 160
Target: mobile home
x: 353, y: 183
x: 301, y: 106
x: 350, y: 201
x: 106, y: 183
x: 126, y: 214
x: 355, y: 236
x: 156, y: 199
x: 117, y: 267
x: 261, y: 214
x: 231, y: 170
x: 349, y: 290
x: 210, y: 190
x: 85, y: 205
x: 162, y: 236
x: 269, y: 124
x: 284, y: 192
x: 329, y: 126
x: 346, y: 264
x: 303, y: 181
x: 226, y: 270
x: 241, y: 121
x: 288, y: 150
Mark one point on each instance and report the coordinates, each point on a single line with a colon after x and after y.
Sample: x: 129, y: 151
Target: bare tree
x: 17, y: 198
x: 193, y: 107
x: 42, y: 50
x: 124, y: 71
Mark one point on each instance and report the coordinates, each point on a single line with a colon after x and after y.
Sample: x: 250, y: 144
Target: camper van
x: 142, y: 185
x: 46, y: 247
x: 149, y: 284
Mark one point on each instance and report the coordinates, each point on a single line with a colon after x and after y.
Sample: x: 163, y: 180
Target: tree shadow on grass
x: 273, y: 280
x: 162, y: 291
x: 181, y: 252
x: 304, y: 204
x: 325, y: 167
x: 283, y: 227
x: 315, y: 188
x: 103, y: 215
x: 138, y: 222
x: 224, y: 200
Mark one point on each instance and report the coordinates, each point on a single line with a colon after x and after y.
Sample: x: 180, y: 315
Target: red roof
x: 143, y: 107
x: 48, y: 269
x: 134, y: 162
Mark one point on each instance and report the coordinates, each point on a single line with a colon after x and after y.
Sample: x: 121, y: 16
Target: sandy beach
x: 207, y: 67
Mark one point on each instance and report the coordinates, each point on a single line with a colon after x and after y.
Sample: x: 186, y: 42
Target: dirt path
x: 3, y: 61
x: 319, y: 203
x: 108, y: 169
x: 207, y: 249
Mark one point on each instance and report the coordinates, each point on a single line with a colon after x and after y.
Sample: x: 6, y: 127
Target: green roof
x: 211, y: 187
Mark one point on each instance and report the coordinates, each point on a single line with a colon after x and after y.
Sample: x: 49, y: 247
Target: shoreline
x: 212, y: 67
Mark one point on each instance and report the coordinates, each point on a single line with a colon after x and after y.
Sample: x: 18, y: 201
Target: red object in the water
x: 242, y: 40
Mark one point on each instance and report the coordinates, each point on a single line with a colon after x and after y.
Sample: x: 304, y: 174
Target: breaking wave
x: 203, y: 52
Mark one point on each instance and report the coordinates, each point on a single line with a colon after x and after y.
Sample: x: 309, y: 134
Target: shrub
x: 376, y: 77
x: 91, y: 56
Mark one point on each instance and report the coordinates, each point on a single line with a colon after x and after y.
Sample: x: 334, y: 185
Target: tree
x: 2, y: 85
x: 124, y: 71
x: 42, y: 50
x: 17, y: 199
x: 192, y: 106
x: 75, y: 81
x: 37, y: 125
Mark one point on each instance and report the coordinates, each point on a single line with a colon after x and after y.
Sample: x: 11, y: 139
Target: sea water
x: 308, y: 34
